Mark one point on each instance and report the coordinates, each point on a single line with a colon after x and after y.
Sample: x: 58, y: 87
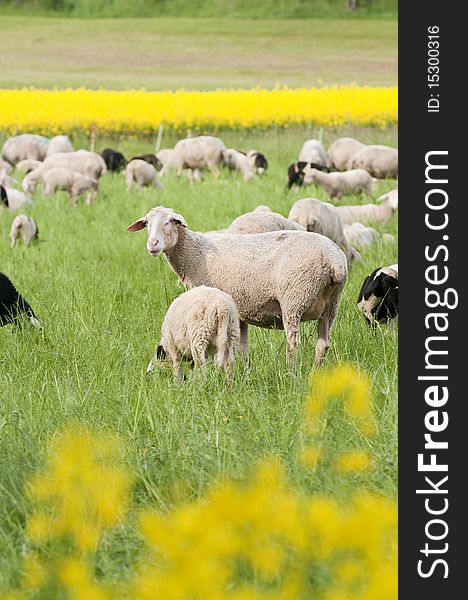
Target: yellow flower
x: 353, y: 461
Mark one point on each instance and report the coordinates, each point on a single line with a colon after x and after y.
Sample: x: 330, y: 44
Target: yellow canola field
x: 60, y: 111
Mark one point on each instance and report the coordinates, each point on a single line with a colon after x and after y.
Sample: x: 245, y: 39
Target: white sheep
x: 13, y: 199
x: 371, y: 213
x: 362, y: 237
x: 82, y: 161
x: 338, y: 184
x: 235, y: 160
x: 200, y: 323
x: 204, y: 152
x: 314, y: 152
x: 322, y: 217
x: 142, y: 173
x: 24, y: 146
x: 276, y: 279
x: 380, y: 161
x: 59, y: 143
x: 72, y: 182
x: 23, y: 227
x: 342, y: 151
x: 261, y: 222
x: 28, y: 165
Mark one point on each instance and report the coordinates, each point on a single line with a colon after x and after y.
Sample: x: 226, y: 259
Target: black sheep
x: 115, y: 161
x: 13, y: 305
x: 151, y: 159
x: 296, y: 172
x: 378, y: 297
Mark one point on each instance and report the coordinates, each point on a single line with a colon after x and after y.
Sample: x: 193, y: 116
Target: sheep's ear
x: 160, y: 353
x: 179, y: 220
x: 138, y: 225
x: 296, y: 168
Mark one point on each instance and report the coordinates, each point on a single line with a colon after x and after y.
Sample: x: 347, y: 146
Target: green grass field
x: 101, y: 299
x: 173, y: 53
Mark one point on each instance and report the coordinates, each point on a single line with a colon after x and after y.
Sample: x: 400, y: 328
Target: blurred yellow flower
x: 58, y: 111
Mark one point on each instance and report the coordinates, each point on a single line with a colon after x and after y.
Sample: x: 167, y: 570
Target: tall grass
x: 102, y: 298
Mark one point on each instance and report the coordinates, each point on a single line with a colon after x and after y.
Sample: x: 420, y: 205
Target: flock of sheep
x: 265, y: 269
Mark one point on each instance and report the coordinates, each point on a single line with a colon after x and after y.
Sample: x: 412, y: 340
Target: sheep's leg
x: 228, y: 370
x: 323, y: 338
x: 244, y: 342
x: 325, y: 324
x: 291, y: 326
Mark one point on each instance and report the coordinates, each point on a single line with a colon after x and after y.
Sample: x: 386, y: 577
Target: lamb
x: 342, y: 151
x: 204, y: 152
x: 82, y: 161
x: 59, y: 143
x: 13, y: 305
x: 24, y: 146
x: 313, y: 151
x: 13, y: 199
x: 142, y: 173
x: 152, y: 159
x: 28, y: 165
x: 261, y: 222
x: 72, y: 182
x: 276, y: 279
x: 378, y: 296
x: 236, y: 160
x: 371, y: 213
x: 200, y: 323
x: 380, y: 161
x: 338, y: 184
x: 24, y: 227
x: 322, y: 217
x: 362, y: 237
x: 115, y: 161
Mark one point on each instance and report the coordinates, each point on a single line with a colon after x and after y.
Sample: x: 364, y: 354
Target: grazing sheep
x: 322, y: 217
x: 152, y: 159
x: 82, y: 161
x: 313, y: 151
x: 13, y: 199
x: 276, y: 279
x: 235, y: 160
x: 5, y: 167
x: 204, y: 152
x: 24, y: 146
x: 72, y: 182
x: 142, y: 173
x: 28, y: 165
x: 341, y: 152
x: 24, y: 227
x: 59, y: 143
x: 380, y: 161
x: 13, y: 305
x: 378, y: 297
x: 261, y: 222
x: 371, y: 213
x: 167, y: 159
x: 338, y: 184
x: 297, y: 171
x: 362, y: 237
x: 115, y: 161
x: 200, y: 323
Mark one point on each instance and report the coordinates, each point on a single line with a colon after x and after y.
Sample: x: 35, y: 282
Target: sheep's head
x: 30, y: 182
x: 310, y: 174
x: 163, y: 229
